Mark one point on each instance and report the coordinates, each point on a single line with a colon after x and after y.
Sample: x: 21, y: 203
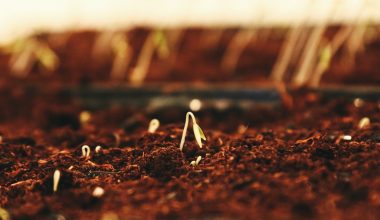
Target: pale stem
x: 56, y: 177
x: 189, y: 114
x: 235, y: 48
x: 286, y: 53
x: 139, y: 72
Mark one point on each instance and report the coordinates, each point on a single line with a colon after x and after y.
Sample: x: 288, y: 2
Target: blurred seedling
x: 84, y: 117
x: 235, y: 49
x: 156, y: 41
x: 98, y: 149
x: 153, y: 125
x: 122, y: 56
x: 56, y: 178
x: 196, y: 162
x: 26, y: 53
x: 116, y: 45
x: 86, y: 151
x: 4, y: 214
x: 198, y: 133
x: 364, y: 123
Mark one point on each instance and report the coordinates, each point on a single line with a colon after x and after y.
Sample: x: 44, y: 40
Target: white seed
x: 98, y: 149
x: 98, y: 192
x: 85, y: 151
x: 364, y: 122
x: 84, y: 117
x: 199, y: 158
x: 347, y: 137
x: 192, y: 163
x: 358, y: 102
x: 71, y: 167
x: 56, y: 177
x: 195, y: 105
x: 153, y: 125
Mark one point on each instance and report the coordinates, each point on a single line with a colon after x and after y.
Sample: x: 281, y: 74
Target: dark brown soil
x: 289, y: 164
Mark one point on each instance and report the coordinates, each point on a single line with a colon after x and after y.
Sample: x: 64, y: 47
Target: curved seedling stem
x: 198, y: 133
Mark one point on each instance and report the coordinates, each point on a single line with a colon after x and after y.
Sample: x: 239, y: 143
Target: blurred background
x: 296, y: 43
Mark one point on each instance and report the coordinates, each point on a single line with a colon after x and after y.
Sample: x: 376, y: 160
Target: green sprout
x: 161, y: 44
x: 27, y: 52
x: 156, y: 41
x: 198, y: 133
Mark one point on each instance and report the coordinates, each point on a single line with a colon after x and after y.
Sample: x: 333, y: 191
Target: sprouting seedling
x: 153, y: 125
x: 156, y: 41
x: 56, y: 177
x: 123, y: 55
x: 27, y: 52
x: 196, y: 162
x: 98, y: 192
x: 86, y: 151
x: 198, y: 133
x: 47, y: 57
x: 98, y: 149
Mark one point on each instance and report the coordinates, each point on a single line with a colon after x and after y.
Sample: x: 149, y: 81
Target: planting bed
x: 195, y: 56
x: 306, y: 160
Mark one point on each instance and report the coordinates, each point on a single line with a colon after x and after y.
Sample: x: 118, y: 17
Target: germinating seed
x: 199, y: 158
x: 153, y: 125
x: 98, y: 192
x: 198, y: 133
x: 85, y: 151
x: 56, y: 177
x: 98, y: 149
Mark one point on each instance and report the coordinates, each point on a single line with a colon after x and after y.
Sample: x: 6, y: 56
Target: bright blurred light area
x: 22, y: 17
x: 195, y: 105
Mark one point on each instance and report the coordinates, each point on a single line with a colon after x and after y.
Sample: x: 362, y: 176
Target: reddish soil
x: 289, y: 164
